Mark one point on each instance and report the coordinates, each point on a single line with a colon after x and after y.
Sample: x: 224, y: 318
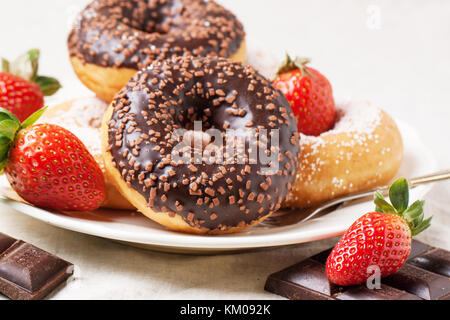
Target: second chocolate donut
x: 113, y: 39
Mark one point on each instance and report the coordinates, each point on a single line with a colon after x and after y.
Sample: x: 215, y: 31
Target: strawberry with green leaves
x: 49, y: 166
x: 309, y: 94
x: 381, y: 238
x: 22, y: 90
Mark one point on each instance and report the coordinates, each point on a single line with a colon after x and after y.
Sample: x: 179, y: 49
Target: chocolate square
x: 27, y: 272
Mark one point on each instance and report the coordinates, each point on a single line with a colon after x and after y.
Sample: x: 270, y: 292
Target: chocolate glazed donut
x: 113, y: 39
x: 139, y: 139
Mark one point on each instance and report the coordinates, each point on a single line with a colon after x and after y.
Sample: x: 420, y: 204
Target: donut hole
x: 158, y: 19
x: 148, y: 26
x: 202, y: 133
x: 196, y: 111
x: 352, y: 117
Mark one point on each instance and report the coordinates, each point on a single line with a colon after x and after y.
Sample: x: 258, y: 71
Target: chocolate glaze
x: 171, y: 94
x: 133, y: 33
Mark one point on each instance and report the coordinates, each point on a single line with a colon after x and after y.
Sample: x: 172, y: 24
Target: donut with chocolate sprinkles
x: 112, y: 39
x: 157, y: 112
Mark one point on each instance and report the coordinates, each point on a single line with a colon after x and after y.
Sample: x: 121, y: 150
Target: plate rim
x: 189, y: 242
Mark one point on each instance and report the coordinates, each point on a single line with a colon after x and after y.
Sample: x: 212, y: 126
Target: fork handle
x: 413, y: 182
x: 438, y: 176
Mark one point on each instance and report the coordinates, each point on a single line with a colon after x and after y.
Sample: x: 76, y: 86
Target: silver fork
x: 289, y: 217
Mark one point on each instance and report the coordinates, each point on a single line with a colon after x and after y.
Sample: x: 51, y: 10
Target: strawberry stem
x: 382, y: 204
x: 26, y: 66
x: 298, y: 63
x: 399, y: 197
x: 33, y: 56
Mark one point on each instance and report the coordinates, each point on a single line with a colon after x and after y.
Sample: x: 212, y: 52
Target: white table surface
x: 395, y: 53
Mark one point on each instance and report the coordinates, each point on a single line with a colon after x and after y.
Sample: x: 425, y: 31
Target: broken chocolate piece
x: 27, y: 272
x: 422, y: 283
x: 424, y: 276
x: 437, y: 261
x: 5, y: 242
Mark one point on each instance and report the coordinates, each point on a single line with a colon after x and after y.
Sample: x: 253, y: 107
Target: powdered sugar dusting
x: 266, y: 62
x: 352, y: 138
x: 355, y: 118
x: 83, y: 119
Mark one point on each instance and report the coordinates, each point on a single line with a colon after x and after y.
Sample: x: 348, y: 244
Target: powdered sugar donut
x: 83, y: 117
x: 362, y: 151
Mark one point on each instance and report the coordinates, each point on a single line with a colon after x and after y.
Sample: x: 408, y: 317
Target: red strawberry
x: 21, y: 89
x: 310, y: 95
x: 381, y: 238
x: 48, y: 166
x: 19, y: 96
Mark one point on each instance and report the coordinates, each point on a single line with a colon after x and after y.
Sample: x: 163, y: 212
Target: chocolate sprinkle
x: 209, y: 196
x: 133, y: 33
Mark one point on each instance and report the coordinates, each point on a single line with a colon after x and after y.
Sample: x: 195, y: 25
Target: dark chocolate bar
x: 27, y: 272
x: 425, y: 276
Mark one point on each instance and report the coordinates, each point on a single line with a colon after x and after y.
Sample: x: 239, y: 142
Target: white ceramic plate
x: 135, y: 229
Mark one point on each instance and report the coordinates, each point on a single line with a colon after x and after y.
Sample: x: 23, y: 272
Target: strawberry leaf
x: 33, y: 56
x: 414, y: 212
x: 417, y: 221
x: 8, y: 128
x: 48, y: 85
x: 4, y: 65
x: 414, y: 216
x: 2, y: 165
x: 421, y: 227
x: 399, y: 194
x: 33, y: 118
x: 9, y: 125
x: 6, y: 114
x: 382, y: 205
x: 26, y: 66
x: 5, y: 142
